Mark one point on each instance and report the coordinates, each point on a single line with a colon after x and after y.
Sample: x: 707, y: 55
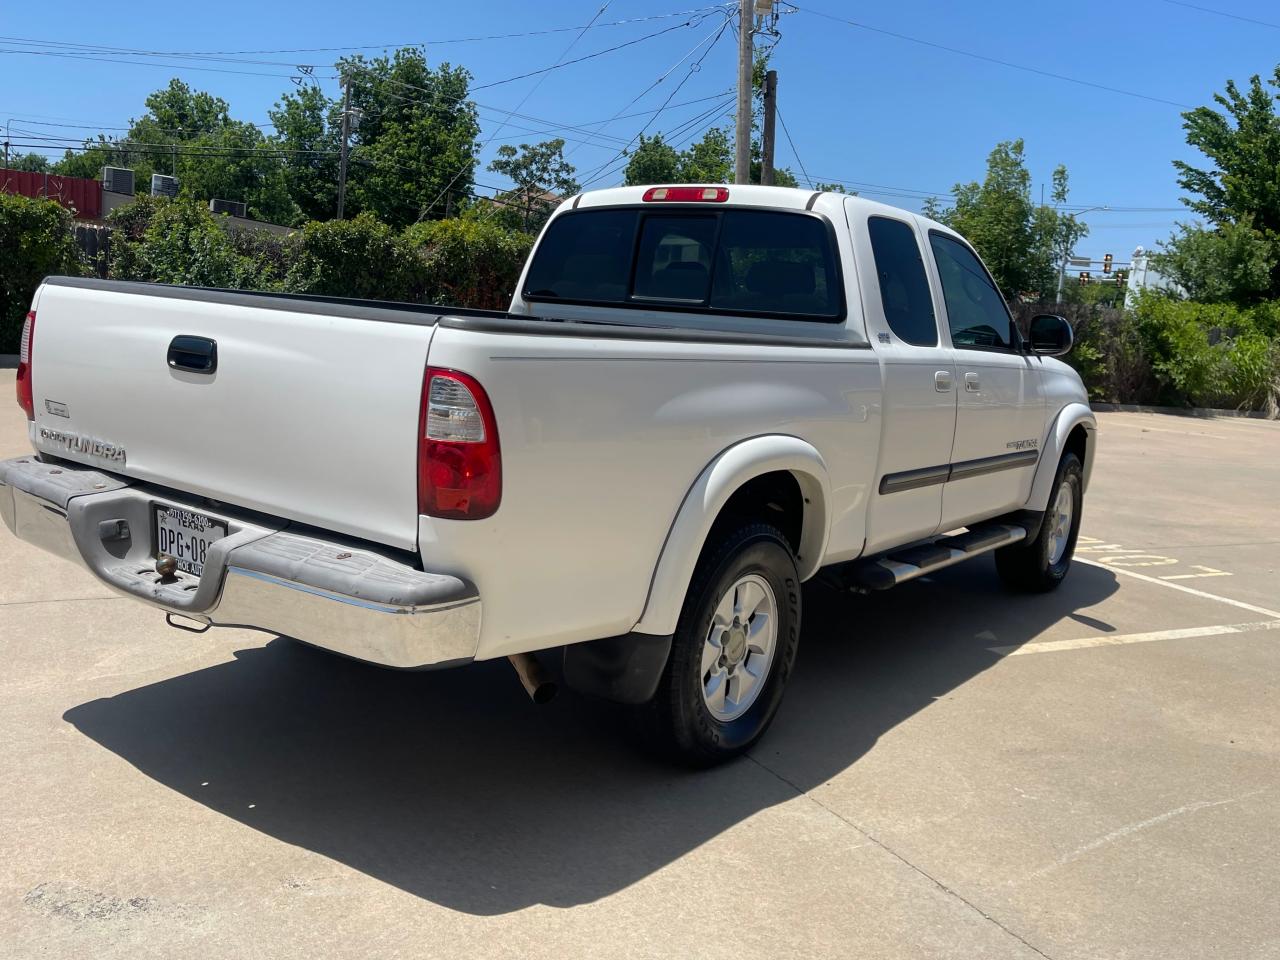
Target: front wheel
x: 732, y: 652
x: 1041, y: 563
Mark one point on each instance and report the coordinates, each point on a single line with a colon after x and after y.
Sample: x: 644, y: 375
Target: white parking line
x: 1180, y: 587
x: 1204, y: 572
x: 1052, y: 646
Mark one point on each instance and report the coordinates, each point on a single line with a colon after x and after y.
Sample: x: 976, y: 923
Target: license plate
x: 186, y: 536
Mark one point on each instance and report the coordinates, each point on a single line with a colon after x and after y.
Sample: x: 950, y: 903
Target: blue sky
x: 895, y: 118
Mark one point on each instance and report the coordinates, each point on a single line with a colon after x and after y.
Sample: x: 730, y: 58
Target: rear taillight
x: 26, y: 400
x: 459, y: 463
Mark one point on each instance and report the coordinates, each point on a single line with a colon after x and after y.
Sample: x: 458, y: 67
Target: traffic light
x: 1106, y: 263
x: 1084, y: 277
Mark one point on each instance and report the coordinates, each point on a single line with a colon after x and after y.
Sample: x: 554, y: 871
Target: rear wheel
x: 1041, y: 563
x: 732, y: 651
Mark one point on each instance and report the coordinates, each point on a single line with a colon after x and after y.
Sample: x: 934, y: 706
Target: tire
x: 1040, y: 564
x: 750, y: 571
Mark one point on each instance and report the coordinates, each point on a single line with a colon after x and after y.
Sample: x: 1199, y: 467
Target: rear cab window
x: 735, y: 261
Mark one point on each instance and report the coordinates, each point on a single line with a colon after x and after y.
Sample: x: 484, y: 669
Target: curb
x: 1207, y: 413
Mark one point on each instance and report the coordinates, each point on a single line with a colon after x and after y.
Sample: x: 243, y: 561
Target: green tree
x: 708, y: 160
x: 652, y: 161
x: 414, y: 142
x: 29, y: 162
x: 932, y: 209
x: 1020, y: 242
x: 308, y: 125
x: 996, y: 216
x: 542, y: 177
x: 1229, y: 263
x: 190, y: 134
x: 1056, y: 233
x: 1238, y: 194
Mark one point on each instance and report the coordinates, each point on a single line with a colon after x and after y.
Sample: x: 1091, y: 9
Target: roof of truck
x: 743, y: 195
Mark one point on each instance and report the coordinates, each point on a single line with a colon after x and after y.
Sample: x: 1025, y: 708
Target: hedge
x: 35, y: 241
x: 1177, y: 353
x: 1162, y: 351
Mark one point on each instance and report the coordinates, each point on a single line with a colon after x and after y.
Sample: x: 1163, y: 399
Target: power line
x: 369, y: 46
x: 689, y: 130
x: 981, y: 56
x: 694, y: 67
x: 475, y: 159
x: 794, y: 152
x: 1223, y: 13
x: 692, y: 22
x: 169, y: 66
x: 713, y: 36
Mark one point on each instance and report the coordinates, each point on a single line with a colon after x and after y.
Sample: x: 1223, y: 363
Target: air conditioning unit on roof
x: 117, y: 180
x: 229, y: 207
x: 163, y: 186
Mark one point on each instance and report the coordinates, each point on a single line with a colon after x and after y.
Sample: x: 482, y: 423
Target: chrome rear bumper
x: 351, y: 597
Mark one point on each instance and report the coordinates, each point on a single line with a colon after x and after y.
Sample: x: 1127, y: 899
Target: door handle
x: 971, y: 384
x: 193, y: 354
x: 942, y: 381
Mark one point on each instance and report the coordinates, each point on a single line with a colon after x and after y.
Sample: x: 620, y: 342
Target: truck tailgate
x: 311, y: 413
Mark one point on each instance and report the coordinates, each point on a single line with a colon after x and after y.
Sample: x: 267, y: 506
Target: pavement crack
x: 950, y: 891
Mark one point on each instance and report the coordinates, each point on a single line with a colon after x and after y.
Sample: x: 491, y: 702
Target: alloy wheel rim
x: 1063, y: 507
x: 738, y: 649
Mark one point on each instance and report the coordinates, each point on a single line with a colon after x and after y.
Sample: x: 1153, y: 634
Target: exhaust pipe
x: 533, y: 677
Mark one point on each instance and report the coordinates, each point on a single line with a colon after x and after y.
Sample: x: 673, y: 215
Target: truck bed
x: 310, y: 415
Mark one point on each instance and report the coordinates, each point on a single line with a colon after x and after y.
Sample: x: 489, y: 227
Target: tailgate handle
x: 196, y: 354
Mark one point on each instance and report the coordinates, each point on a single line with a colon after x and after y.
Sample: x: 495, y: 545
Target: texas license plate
x: 186, y: 536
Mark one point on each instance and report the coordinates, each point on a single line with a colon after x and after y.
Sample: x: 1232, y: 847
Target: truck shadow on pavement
x: 452, y: 786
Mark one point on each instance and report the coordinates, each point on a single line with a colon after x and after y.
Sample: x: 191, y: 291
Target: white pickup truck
x: 701, y: 397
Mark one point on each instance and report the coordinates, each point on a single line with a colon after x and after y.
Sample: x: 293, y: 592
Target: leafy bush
x: 351, y: 258
x: 1211, y: 354
x: 35, y: 242
x: 174, y: 241
x: 1109, y: 352
x: 467, y: 262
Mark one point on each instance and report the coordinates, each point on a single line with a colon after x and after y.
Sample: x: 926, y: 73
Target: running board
x: 907, y: 563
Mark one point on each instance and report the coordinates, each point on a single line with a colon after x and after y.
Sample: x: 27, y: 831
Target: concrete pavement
x: 956, y: 771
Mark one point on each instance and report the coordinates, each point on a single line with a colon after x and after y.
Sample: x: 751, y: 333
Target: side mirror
x: 1051, y: 335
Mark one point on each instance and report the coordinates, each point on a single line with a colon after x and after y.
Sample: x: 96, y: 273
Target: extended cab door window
x: 976, y: 313
x: 904, y: 288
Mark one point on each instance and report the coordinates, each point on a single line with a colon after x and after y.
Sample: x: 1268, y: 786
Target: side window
x: 976, y: 313
x: 904, y: 289
x: 674, y: 259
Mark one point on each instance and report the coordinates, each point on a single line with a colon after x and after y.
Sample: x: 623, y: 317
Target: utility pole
x: 770, y: 111
x: 742, y: 134
x: 346, y: 136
